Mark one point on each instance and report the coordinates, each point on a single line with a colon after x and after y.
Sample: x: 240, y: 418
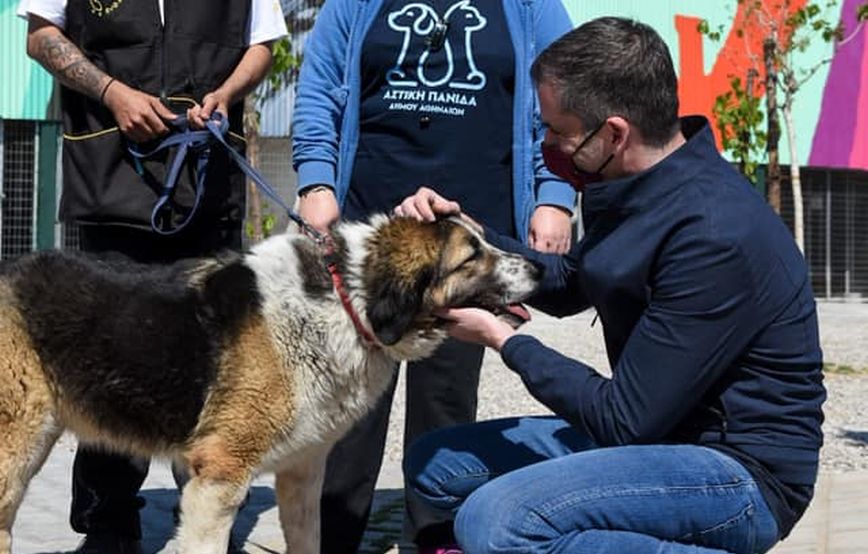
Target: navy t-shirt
x: 437, y: 85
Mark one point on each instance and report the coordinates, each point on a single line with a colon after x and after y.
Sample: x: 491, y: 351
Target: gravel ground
x: 843, y: 335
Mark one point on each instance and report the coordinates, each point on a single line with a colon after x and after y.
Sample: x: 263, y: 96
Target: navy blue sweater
x: 709, y: 322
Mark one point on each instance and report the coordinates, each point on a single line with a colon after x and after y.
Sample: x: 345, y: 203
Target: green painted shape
x: 38, y: 93
x: 26, y: 87
x: 46, y: 183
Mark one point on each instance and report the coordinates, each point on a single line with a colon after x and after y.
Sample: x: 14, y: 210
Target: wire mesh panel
x: 855, y: 197
x: 836, y: 231
x: 275, y: 162
x: 69, y: 236
x: 818, y: 251
x: 19, y: 192
x: 276, y: 102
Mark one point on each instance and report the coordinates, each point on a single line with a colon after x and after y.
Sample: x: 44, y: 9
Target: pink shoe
x: 446, y: 549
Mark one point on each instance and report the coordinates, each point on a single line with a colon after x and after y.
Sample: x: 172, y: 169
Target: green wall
x: 25, y: 88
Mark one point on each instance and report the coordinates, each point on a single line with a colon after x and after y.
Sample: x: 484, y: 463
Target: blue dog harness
x: 198, y: 143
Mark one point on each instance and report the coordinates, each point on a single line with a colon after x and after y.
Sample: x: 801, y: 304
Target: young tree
x: 739, y: 116
x: 284, y: 69
x: 787, y: 29
x: 300, y: 16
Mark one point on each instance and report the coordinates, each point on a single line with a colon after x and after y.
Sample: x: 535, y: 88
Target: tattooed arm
x: 47, y: 44
x: 139, y: 116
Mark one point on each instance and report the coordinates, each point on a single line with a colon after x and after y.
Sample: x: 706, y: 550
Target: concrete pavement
x: 836, y: 522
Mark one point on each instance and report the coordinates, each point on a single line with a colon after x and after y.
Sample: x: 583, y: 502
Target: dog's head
x: 413, y: 268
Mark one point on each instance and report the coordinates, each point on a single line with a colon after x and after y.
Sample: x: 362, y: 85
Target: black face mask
x: 564, y: 167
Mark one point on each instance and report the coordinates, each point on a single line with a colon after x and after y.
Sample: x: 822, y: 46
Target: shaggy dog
x: 233, y: 365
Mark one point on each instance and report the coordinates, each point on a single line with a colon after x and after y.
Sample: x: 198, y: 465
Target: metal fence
x: 275, y: 164
x: 30, y: 189
x: 836, y: 231
x: 29, y: 158
x: 19, y: 147
x: 276, y: 104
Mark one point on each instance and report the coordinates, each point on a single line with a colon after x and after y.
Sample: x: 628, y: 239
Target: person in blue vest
x: 126, y: 70
x: 706, y: 437
x: 394, y: 94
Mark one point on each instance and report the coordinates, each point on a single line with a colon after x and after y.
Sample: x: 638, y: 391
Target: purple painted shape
x: 836, y: 128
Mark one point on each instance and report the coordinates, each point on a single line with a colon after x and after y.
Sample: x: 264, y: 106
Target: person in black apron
x: 125, y: 70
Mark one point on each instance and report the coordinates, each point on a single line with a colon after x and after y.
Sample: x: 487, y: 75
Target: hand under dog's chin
x: 515, y: 315
x: 510, y: 319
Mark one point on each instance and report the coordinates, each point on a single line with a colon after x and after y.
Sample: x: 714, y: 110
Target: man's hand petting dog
x: 478, y: 325
x: 426, y: 205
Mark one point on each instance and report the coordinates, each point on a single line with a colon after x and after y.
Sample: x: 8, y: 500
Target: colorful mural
x: 831, y: 112
x: 698, y: 90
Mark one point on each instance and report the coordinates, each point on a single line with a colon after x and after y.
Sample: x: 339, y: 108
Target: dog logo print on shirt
x: 416, y: 22
x: 100, y: 9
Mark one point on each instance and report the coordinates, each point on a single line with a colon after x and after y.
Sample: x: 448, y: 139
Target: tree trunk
x: 746, y: 130
x: 795, y: 174
x: 773, y: 180
x: 254, y: 202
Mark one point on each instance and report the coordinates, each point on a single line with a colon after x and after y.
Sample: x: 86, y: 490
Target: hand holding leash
x: 141, y: 117
x: 215, y: 101
x: 187, y: 139
x: 318, y: 206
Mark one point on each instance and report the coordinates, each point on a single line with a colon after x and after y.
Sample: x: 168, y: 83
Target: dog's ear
x: 394, y: 306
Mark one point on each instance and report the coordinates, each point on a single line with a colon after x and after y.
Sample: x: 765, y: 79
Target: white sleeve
x: 266, y: 17
x: 53, y: 11
x: 266, y: 21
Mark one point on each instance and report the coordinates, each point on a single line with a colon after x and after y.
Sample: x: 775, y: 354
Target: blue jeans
x: 535, y: 484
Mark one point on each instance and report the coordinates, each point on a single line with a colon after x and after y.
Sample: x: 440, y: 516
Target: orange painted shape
x: 697, y: 90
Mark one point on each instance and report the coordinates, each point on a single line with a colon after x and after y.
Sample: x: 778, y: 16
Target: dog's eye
x: 475, y: 255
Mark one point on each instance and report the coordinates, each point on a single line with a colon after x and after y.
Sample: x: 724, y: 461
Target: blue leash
x: 199, y: 142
